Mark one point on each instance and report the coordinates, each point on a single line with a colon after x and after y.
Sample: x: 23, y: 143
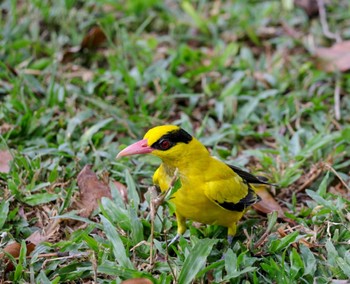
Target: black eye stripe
x: 174, y: 137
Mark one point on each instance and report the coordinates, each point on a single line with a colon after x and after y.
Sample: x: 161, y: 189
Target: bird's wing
x: 248, y: 177
x: 250, y: 199
x: 232, y: 190
x: 232, y: 194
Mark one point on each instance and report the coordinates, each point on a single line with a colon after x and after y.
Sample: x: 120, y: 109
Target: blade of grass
x: 196, y: 17
x: 4, y: 210
x: 117, y: 244
x: 93, y: 129
x: 196, y: 260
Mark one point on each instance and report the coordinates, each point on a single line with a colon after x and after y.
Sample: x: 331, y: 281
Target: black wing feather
x: 251, y: 197
x: 248, y: 177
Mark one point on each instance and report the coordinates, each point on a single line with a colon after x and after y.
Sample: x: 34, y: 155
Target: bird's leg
x: 181, y: 227
x: 174, y: 240
x: 181, y: 223
x: 230, y: 239
x: 231, y: 233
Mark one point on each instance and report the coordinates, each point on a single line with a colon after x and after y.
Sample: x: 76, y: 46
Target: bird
x: 212, y: 192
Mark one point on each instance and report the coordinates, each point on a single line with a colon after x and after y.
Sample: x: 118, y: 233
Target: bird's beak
x: 140, y: 147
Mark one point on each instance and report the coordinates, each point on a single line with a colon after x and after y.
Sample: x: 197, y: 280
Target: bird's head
x: 168, y: 142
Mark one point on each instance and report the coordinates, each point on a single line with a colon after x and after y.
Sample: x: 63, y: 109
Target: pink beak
x: 140, y: 147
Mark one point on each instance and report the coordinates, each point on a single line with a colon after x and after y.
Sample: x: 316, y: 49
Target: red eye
x: 164, y: 144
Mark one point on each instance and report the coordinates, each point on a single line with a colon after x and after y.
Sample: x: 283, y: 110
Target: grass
x: 239, y: 75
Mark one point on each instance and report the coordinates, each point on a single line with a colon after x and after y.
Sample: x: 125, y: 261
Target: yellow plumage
x: 211, y: 192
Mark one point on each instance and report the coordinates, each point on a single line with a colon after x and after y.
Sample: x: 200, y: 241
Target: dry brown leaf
x: 334, y: 58
x: 91, y: 191
x: 309, y: 6
x: 45, y: 234
x: 13, y: 249
x: 5, y: 127
x: 123, y: 190
x: 267, y: 204
x: 93, y: 39
x: 137, y: 281
x: 5, y: 159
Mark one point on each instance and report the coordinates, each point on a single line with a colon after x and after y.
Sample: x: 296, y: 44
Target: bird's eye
x: 164, y: 144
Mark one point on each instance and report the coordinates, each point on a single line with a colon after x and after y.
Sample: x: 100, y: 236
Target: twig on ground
x: 262, y: 238
x: 69, y: 256
x: 249, y: 239
x: 156, y: 201
x: 94, y: 265
x: 329, y: 167
x: 324, y: 23
x: 314, y: 173
x: 46, y: 255
x: 337, y: 100
x: 153, y: 194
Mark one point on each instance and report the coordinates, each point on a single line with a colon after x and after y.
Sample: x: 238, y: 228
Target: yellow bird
x: 211, y: 191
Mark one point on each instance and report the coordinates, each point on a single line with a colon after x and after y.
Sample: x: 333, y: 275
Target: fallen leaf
x: 267, y: 204
x: 137, y: 281
x: 13, y: 249
x: 123, y: 190
x: 334, y: 58
x: 5, y: 159
x: 32, y: 241
x: 309, y: 6
x: 45, y: 234
x: 91, y: 191
x: 93, y: 39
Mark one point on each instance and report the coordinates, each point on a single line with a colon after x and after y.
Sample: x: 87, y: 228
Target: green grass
x: 256, y: 99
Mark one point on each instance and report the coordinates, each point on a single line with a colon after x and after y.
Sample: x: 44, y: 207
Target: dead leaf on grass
x: 45, y: 234
x: 267, y: 204
x: 91, y: 191
x: 334, y: 58
x: 94, y: 38
x: 5, y: 127
x: 5, y: 159
x: 309, y: 6
x: 339, y: 189
x: 13, y: 249
x: 32, y: 241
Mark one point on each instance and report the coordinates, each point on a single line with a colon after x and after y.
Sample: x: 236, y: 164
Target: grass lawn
x: 80, y: 80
